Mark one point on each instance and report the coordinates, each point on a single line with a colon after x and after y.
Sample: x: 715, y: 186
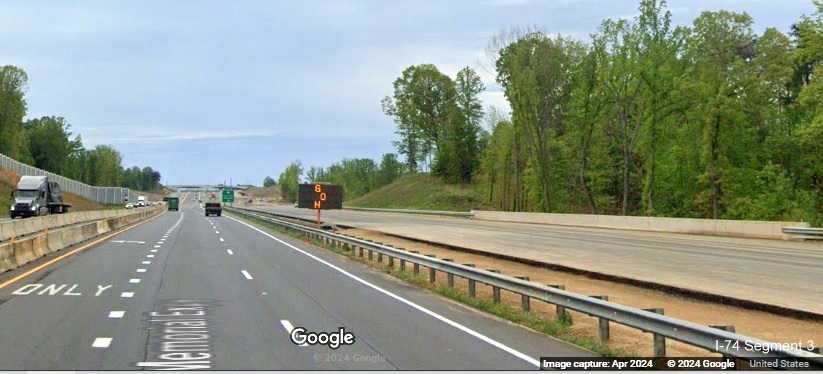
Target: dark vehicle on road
x: 213, y: 209
x: 37, y: 196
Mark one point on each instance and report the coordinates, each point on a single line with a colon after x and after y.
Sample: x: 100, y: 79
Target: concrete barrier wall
x: 32, y: 247
x: 746, y: 229
x: 26, y: 226
x: 7, y: 257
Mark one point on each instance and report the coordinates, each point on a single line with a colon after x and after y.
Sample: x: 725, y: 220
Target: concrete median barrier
x: 733, y: 228
x: 7, y: 257
x: 55, y: 241
x: 6, y: 231
x: 40, y: 245
x: 35, y: 245
x: 67, y: 237
x: 24, y: 252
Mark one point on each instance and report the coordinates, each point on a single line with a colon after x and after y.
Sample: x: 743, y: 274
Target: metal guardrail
x: 713, y: 339
x: 415, y: 211
x: 804, y: 232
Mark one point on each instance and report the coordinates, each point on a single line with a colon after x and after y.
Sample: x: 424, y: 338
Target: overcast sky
x: 208, y: 91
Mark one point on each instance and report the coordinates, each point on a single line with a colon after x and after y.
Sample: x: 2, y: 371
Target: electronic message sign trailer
x: 320, y: 196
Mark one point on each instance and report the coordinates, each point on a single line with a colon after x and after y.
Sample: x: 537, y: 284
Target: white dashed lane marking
x: 150, y: 256
x: 153, y: 250
x: 117, y: 314
x: 156, y: 246
x: 101, y: 343
x: 146, y: 262
x: 221, y: 239
x: 134, y: 280
x: 286, y: 324
x: 230, y: 252
x: 247, y: 275
x: 141, y: 270
x: 127, y: 294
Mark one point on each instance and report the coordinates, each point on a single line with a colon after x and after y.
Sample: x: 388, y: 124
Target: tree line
x: 710, y: 120
x: 47, y: 143
x: 357, y: 176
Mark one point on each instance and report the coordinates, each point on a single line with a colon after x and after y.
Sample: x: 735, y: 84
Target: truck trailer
x: 37, y: 196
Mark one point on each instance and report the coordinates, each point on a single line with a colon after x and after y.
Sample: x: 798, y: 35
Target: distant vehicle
x: 141, y: 200
x: 37, y: 196
x: 213, y: 208
x: 129, y: 205
x: 174, y: 203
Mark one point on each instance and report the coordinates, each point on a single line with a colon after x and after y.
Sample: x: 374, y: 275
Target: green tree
x: 268, y: 182
x: 660, y: 70
x: 422, y: 107
x: 48, y: 142
x: 537, y: 75
x: 720, y: 49
x: 458, y: 158
x: 13, y: 86
x: 390, y: 169
x: 289, y: 181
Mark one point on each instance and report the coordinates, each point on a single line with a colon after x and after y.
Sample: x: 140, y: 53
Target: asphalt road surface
x: 772, y: 272
x: 185, y: 291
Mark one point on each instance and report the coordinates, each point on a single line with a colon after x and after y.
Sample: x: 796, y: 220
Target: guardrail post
x: 495, y: 290
x: 370, y: 251
x: 391, y: 258
x: 472, y: 284
x: 402, y: 261
x: 416, y: 265
x: 449, y: 276
x: 432, y: 272
x: 561, y: 310
x: 659, y: 340
x: 728, y: 328
x: 380, y: 254
x: 524, y: 300
x: 604, y: 323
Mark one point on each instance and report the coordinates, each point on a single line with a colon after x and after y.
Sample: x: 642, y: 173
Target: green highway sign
x: 228, y: 195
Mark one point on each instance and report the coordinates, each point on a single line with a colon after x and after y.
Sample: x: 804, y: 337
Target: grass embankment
x: 424, y: 192
x: 8, y: 183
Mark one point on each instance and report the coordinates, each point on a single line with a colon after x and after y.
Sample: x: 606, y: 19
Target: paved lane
x: 768, y: 271
x: 195, y: 292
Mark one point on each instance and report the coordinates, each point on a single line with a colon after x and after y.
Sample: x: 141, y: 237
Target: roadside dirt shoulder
x: 760, y: 325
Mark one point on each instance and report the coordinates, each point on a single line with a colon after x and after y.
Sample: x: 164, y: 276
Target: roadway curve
x: 772, y: 272
x: 221, y: 291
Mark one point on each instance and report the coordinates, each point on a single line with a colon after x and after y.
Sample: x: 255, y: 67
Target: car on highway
x: 129, y: 205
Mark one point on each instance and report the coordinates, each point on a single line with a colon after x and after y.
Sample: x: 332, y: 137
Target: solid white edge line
x: 247, y: 275
x: 454, y: 324
x: 101, y: 343
x: 289, y: 329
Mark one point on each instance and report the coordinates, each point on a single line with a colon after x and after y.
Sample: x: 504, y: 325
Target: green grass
x: 554, y: 327
x: 423, y: 192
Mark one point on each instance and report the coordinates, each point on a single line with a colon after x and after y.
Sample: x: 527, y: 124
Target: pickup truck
x: 213, y: 208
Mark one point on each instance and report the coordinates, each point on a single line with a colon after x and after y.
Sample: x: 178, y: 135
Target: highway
x: 771, y: 272
x: 185, y: 291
